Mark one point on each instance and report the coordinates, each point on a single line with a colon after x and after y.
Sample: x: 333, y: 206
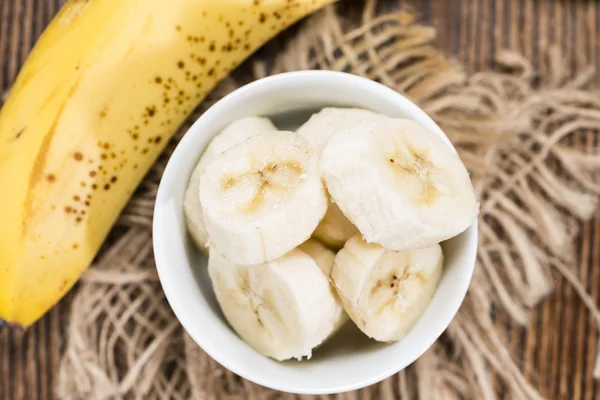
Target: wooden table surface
x: 557, y: 351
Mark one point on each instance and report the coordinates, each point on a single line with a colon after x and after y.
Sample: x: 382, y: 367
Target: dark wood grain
x: 558, y: 349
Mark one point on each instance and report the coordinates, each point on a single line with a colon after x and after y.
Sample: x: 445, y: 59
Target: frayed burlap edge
x: 513, y: 131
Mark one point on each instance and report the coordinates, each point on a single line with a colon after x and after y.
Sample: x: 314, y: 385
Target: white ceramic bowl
x: 349, y: 360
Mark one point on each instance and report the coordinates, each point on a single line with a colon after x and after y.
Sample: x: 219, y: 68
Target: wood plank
x: 544, y: 356
x: 518, y: 42
x: 4, y: 364
x: 57, y: 325
x: 5, y: 21
x: 578, y: 61
x: 532, y: 339
x: 592, y: 388
x: 565, y: 342
x: 591, y: 16
x: 42, y: 359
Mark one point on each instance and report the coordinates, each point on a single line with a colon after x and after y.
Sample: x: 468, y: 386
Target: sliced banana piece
x: 262, y: 197
x: 384, y: 291
x: 335, y: 229
x: 324, y: 258
x: 401, y: 185
x: 233, y: 134
x: 330, y: 120
x: 283, y: 308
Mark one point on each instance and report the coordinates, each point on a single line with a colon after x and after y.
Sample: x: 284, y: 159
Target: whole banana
x: 103, y: 90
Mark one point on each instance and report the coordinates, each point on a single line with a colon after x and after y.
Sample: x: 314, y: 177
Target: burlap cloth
x: 512, y: 128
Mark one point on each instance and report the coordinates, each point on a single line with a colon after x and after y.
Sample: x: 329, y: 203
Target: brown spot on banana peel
x: 103, y: 112
x: 19, y: 133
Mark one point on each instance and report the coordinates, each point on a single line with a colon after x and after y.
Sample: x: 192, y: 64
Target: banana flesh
x: 283, y: 308
x: 325, y: 259
x: 384, y: 291
x: 234, y: 133
x: 322, y: 125
x: 335, y: 228
x: 399, y: 184
x: 263, y: 197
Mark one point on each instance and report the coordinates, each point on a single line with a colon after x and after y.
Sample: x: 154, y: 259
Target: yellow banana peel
x: 103, y: 90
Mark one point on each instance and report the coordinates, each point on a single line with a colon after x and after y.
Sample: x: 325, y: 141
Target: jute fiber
x: 514, y: 130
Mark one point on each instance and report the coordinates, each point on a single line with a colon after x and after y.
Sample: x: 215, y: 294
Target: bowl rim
x: 161, y: 253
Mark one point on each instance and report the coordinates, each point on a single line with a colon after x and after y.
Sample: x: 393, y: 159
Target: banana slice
x: 324, y: 259
x: 323, y: 125
x: 323, y: 256
x: 233, y: 134
x: 263, y: 197
x: 401, y: 185
x: 335, y: 228
x: 384, y: 291
x: 283, y: 308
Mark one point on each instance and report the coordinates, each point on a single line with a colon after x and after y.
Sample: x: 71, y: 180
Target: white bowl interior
x: 349, y: 360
